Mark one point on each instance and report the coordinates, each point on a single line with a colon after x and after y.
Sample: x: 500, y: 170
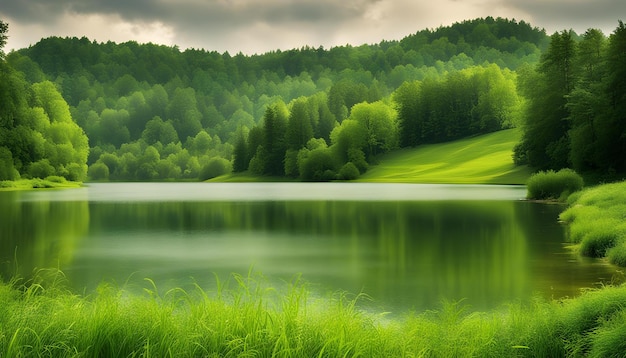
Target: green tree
x: 159, y: 131
x: 66, y: 144
x: 379, y: 123
x: 587, y: 102
x: 113, y: 127
x: 240, y: 154
x: 317, y: 164
x: 274, y: 143
x: 612, y: 136
x: 410, y: 122
x: 7, y: 170
x: 183, y: 111
x: 299, y: 129
x: 545, y: 144
x: 215, y: 167
x: 4, y: 30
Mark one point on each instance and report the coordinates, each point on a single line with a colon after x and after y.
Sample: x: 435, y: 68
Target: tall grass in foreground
x: 596, y: 221
x: 243, y: 317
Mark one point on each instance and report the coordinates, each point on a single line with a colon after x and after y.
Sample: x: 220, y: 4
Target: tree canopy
x: 153, y: 112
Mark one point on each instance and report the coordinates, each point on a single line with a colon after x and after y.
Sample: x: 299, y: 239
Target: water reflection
x: 39, y: 234
x: 404, y: 253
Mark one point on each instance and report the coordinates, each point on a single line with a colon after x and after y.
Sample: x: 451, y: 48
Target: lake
x: 408, y: 246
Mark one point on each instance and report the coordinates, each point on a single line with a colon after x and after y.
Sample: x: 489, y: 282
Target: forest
x: 83, y: 110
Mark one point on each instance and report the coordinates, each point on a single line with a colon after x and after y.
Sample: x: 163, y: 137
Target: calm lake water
x: 407, y: 246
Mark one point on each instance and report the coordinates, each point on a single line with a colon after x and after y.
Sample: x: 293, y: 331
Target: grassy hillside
x: 485, y: 159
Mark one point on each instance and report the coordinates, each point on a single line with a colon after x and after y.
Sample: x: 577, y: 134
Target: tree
x: 586, y: 102
x: 410, y: 122
x: 159, y: 131
x: 66, y: 144
x: 613, y: 132
x: 183, y: 111
x: 240, y: 154
x: 545, y: 140
x: 4, y: 30
x: 379, y: 123
x: 274, y: 143
x: 299, y: 129
x: 7, y: 170
x: 214, y: 168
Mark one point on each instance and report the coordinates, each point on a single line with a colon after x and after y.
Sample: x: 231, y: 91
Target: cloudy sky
x: 257, y: 26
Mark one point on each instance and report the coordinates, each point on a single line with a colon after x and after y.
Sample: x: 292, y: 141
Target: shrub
x: 41, y: 169
x: 6, y: 184
x: 56, y: 179
x: 617, y: 255
x: 553, y: 185
x: 349, y: 171
x: 597, y: 242
x: 214, y: 168
x: 37, y: 183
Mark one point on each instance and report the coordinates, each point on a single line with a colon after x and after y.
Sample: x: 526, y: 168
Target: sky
x: 259, y: 26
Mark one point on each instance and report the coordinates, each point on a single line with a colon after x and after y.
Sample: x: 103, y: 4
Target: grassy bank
x: 485, y: 159
x: 596, y: 221
x: 248, y: 319
x: 48, y: 183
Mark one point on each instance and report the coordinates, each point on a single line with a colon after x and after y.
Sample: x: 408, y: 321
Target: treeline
x: 576, y: 110
x: 291, y: 140
x: 157, y: 113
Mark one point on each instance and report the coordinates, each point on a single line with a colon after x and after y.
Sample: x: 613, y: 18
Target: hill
x: 485, y: 159
x: 155, y: 112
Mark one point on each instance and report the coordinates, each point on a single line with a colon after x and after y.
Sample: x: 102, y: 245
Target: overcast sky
x: 258, y: 26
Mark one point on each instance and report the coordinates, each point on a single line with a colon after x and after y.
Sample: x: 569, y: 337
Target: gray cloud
x: 579, y: 15
x: 262, y: 25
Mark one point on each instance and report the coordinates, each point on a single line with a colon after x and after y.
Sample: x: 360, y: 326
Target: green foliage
x: 317, y: 164
x: 39, y: 318
x: 4, y: 29
x: 349, y: 171
x: 545, y: 129
x: 476, y: 100
x: 7, y: 170
x: 596, y: 221
x: 41, y: 169
x: 99, y: 171
x: 553, y: 185
x: 575, y: 105
x: 150, y: 95
x: 214, y: 168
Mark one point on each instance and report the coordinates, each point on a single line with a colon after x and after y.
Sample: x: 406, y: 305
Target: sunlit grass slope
x: 485, y: 159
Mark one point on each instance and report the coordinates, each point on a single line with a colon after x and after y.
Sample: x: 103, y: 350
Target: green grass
x: 596, y: 219
x: 485, y: 159
x: 247, y: 177
x: 243, y: 317
x: 51, y: 182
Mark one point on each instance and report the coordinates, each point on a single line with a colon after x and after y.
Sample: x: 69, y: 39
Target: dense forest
x: 154, y: 112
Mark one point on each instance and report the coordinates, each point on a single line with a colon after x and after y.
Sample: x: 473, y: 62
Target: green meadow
x: 485, y: 159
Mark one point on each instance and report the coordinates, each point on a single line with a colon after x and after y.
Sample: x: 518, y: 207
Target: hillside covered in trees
x: 154, y: 112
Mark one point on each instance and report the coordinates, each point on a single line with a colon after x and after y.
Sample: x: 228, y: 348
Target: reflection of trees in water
x: 423, y: 250
x: 38, y: 234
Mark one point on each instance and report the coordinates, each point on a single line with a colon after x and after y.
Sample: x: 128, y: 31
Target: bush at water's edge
x: 37, y: 183
x: 551, y: 185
